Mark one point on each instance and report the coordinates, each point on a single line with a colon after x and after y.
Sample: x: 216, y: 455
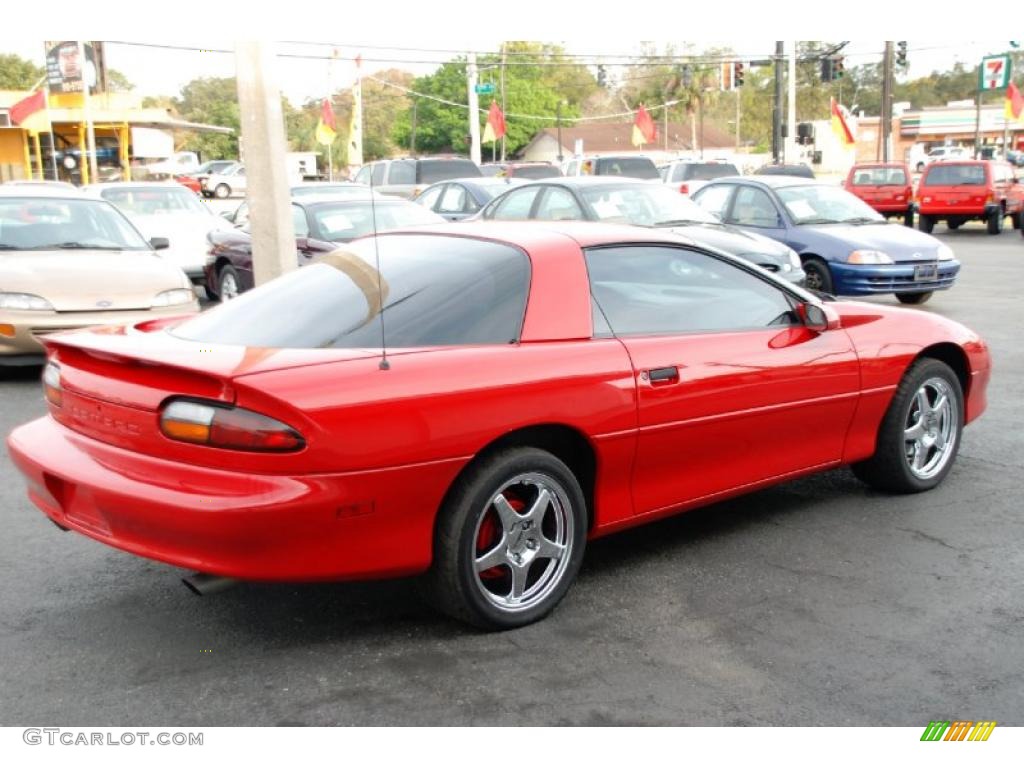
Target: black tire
x: 925, y: 223
x: 819, y: 278
x: 995, y: 222
x: 1015, y: 220
x: 889, y: 469
x: 453, y: 583
x: 222, y: 191
x: 908, y: 217
x: 225, y: 275
x: 953, y: 224
x: 914, y: 298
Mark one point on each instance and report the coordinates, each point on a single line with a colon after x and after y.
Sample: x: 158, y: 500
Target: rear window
x: 955, y: 174
x: 704, y: 171
x: 534, y: 172
x: 878, y: 177
x: 438, y: 291
x: 634, y: 167
x: 432, y: 171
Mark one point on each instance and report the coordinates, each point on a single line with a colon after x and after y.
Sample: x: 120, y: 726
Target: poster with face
x: 66, y: 71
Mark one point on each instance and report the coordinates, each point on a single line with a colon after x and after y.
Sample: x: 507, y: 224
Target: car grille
x: 53, y: 329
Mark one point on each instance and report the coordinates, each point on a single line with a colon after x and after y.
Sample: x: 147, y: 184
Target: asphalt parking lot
x: 817, y: 602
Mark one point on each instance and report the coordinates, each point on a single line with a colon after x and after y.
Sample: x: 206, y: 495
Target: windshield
x: 819, y: 204
x: 432, y: 171
x: 645, y: 204
x: 154, y: 201
x: 704, y: 171
x: 538, y: 171
x: 955, y: 174
x: 437, y: 291
x: 879, y: 177
x: 334, y: 190
x: 36, y: 223
x: 347, y: 221
x: 634, y: 167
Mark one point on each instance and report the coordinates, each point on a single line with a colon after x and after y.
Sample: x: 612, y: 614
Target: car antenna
x: 384, y: 364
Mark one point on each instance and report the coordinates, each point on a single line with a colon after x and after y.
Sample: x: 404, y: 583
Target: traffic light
x: 826, y: 70
x: 602, y: 76
x: 901, y: 53
x: 737, y: 74
x: 837, y: 68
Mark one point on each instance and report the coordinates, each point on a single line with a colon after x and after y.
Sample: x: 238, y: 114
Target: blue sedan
x: 845, y: 246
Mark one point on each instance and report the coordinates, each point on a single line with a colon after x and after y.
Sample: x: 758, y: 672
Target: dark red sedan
x: 886, y: 187
x: 543, y: 384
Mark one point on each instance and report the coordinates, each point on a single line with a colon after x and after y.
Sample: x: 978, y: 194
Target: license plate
x: 926, y: 272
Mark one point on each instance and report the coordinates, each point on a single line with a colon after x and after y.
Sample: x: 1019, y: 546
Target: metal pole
x: 737, y: 119
x: 502, y: 98
x: 474, y: 110
x: 558, y: 124
x: 89, y: 128
x: 791, y: 105
x: 777, y: 106
x: 700, y: 109
x: 412, y: 134
x: 270, y: 214
x: 977, y: 119
x: 887, y: 76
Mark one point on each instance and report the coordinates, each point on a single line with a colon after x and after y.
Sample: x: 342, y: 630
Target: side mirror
x: 228, y: 215
x: 159, y: 243
x: 819, y: 317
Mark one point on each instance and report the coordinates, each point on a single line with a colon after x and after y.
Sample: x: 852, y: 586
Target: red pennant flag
x: 495, y: 123
x: 1014, y: 102
x: 327, y: 115
x: 27, y: 107
x: 644, y: 130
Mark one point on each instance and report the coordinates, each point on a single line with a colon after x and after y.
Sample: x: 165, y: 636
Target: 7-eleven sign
x: 995, y: 73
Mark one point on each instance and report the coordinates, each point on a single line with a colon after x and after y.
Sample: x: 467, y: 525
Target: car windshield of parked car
x: 37, y: 224
x: 955, y: 174
x: 333, y: 190
x: 703, y: 171
x: 152, y: 201
x: 820, y: 204
x: 879, y: 177
x: 437, y: 291
x: 633, y: 167
x: 339, y: 223
x: 649, y: 205
x: 539, y: 171
x: 433, y: 171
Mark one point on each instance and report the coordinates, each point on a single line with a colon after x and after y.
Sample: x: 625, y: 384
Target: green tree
x: 18, y: 74
x: 213, y: 101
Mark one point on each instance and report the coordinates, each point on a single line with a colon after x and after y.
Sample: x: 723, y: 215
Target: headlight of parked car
x: 172, y: 297
x: 869, y: 257
x: 945, y: 253
x: 24, y: 301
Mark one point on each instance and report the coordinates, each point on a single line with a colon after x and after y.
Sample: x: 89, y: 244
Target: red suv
x: 886, y: 187
x: 961, y: 190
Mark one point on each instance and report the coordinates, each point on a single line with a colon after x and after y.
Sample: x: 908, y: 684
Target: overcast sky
x: 156, y: 71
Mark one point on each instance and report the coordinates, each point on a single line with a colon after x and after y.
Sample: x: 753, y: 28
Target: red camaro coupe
x: 543, y: 384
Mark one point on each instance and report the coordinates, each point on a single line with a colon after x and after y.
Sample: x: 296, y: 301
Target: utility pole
x: 887, y: 77
x: 474, y: 110
x: 412, y: 132
x: 270, y: 215
x: 558, y: 124
x: 791, y: 106
x: 503, y: 57
x: 777, y: 105
x: 90, y: 128
x: 737, y: 119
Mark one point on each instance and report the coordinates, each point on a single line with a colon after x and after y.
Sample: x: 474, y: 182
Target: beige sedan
x: 67, y: 261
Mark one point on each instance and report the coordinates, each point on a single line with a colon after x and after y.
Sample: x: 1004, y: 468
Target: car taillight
x: 684, y: 188
x: 220, y: 426
x: 51, y: 384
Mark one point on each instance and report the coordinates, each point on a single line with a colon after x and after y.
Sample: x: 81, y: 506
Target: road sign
x: 995, y: 73
x: 485, y: 88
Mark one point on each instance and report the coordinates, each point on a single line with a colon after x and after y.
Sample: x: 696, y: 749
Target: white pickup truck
x: 177, y: 164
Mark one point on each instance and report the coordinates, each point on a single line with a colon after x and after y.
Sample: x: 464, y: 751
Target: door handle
x: 662, y: 376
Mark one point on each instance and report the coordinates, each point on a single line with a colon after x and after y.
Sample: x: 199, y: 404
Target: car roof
x: 773, y: 181
x: 590, y: 181
x: 101, y: 185
x: 44, y: 193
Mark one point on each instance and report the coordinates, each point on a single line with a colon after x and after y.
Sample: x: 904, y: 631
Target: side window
x: 402, y: 172
x: 429, y: 198
x: 680, y: 172
x: 363, y: 177
x: 453, y: 200
x: 242, y: 215
x: 378, y: 173
x: 649, y: 289
x: 714, y: 198
x: 515, y: 205
x: 753, y: 208
x: 299, y: 222
x: 558, y: 204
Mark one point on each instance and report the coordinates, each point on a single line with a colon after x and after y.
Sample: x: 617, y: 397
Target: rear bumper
x: 867, y: 280
x: 957, y: 211
x: 373, y: 523
x: 29, y: 325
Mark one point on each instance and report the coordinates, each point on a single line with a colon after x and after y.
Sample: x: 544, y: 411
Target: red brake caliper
x: 490, y: 534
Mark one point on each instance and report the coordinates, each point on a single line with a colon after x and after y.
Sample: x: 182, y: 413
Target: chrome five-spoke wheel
x: 930, y: 431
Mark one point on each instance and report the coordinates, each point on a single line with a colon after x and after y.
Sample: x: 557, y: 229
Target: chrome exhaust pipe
x: 205, y: 583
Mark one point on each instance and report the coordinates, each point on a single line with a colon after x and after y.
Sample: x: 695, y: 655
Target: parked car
x: 601, y: 377
x: 687, y: 176
x: 335, y: 189
x: 535, y: 170
x: 205, y: 170
x: 42, y: 184
x: 944, y: 153
x: 957, y: 191
x: 165, y: 209
x: 226, y: 182
x: 886, y: 187
x: 320, y: 224
x: 190, y: 183
x: 70, y: 261
x: 799, y: 170
x: 409, y: 176
x: 629, y: 201
x: 846, y: 247
x: 459, y: 199
x: 633, y: 166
